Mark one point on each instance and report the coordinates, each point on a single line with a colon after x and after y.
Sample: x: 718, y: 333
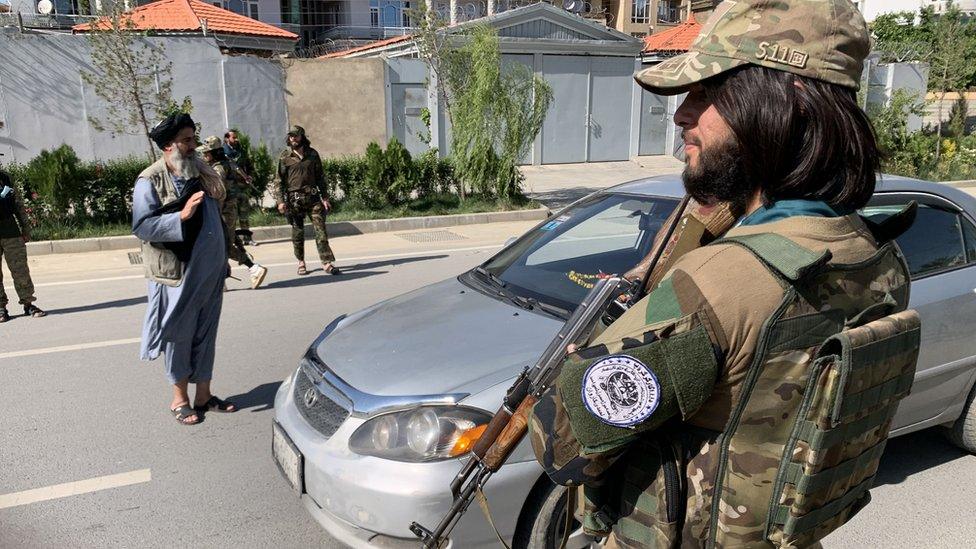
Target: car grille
x: 324, y: 415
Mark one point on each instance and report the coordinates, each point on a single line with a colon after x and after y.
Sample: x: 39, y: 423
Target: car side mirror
x: 511, y: 240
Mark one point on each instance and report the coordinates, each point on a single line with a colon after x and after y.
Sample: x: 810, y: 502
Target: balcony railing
x: 38, y: 21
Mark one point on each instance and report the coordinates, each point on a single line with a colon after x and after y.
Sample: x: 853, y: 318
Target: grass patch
x: 64, y: 230
x: 440, y: 204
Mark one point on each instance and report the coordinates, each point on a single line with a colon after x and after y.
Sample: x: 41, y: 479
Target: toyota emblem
x: 311, y: 397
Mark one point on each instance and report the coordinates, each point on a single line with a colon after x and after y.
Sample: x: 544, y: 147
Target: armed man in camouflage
x: 745, y: 402
x: 213, y: 153
x: 236, y: 153
x: 14, y: 235
x: 299, y: 189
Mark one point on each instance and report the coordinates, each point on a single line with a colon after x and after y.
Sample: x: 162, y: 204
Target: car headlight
x: 426, y: 433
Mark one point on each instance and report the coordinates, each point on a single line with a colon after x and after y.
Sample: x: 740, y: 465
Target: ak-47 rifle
x: 690, y: 226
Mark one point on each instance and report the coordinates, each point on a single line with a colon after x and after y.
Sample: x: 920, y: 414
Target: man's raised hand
x: 191, y: 206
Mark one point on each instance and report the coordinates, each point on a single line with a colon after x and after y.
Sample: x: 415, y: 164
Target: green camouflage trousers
x: 243, y: 212
x: 235, y: 249
x: 311, y: 207
x: 15, y: 251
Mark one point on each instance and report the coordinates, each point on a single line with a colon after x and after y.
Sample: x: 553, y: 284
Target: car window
x: 613, y: 228
x: 969, y: 235
x: 559, y: 261
x: 933, y: 243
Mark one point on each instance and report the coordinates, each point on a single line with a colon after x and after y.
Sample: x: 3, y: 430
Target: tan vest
x: 160, y: 264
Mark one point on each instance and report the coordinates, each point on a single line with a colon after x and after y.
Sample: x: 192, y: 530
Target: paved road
x: 77, y: 405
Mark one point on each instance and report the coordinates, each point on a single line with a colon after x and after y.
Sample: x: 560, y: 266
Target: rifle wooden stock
x: 510, y: 436
x: 495, y: 427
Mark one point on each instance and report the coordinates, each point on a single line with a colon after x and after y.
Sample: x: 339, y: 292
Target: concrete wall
x: 44, y: 101
x: 341, y: 103
x: 933, y: 100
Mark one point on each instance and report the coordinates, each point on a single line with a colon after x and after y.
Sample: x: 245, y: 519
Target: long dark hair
x: 800, y: 138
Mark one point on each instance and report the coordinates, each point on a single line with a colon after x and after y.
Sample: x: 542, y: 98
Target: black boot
x: 33, y: 310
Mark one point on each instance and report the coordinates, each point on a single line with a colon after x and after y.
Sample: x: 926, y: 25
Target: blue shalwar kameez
x: 181, y: 321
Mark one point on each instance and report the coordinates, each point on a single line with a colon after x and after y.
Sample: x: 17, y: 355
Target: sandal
x: 217, y: 405
x: 302, y: 270
x: 332, y: 270
x: 184, y: 412
x: 33, y: 311
x: 4, y: 315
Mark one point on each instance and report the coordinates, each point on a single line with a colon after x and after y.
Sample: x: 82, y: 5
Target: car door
x: 940, y: 249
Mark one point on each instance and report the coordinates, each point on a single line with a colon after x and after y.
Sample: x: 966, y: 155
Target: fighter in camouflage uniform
x: 14, y: 234
x: 213, y: 152
x: 235, y: 152
x: 745, y: 402
x: 299, y: 189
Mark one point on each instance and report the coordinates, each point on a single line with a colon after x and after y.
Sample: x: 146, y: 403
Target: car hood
x: 443, y: 338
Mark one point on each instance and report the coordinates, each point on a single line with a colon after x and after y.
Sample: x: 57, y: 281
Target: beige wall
x: 340, y: 103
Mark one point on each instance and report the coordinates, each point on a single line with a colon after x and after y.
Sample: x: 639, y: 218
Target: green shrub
x: 107, y: 191
x: 57, y: 178
x: 263, y: 166
x: 400, y: 171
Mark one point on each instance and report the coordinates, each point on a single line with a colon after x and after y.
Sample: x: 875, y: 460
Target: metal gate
x: 589, y: 119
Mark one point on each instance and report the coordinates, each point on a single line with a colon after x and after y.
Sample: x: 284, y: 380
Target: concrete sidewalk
x: 558, y: 185
x: 112, y: 265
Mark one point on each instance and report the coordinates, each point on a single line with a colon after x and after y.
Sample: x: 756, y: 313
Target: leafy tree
x: 131, y: 75
x: 495, y: 110
x: 946, y: 41
x: 959, y: 117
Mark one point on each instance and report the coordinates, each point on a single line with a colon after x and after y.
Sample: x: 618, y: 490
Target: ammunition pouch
x: 832, y: 456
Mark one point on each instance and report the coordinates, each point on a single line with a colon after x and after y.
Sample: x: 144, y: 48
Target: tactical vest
x: 160, y: 264
x: 804, y: 441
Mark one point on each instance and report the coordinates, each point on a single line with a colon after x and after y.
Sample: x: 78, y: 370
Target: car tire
x: 542, y: 521
x: 963, y: 431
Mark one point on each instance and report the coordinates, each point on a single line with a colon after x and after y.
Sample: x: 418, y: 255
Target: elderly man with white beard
x: 176, y: 213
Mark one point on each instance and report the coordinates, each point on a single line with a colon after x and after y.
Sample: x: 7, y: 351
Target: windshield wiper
x: 557, y: 312
x: 503, y: 290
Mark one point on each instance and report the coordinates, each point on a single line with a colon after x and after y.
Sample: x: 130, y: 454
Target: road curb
x: 283, y: 232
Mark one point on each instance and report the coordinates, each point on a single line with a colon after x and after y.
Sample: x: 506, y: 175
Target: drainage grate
x: 135, y: 258
x: 430, y: 236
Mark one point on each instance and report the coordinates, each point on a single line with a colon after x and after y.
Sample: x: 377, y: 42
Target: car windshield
x: 557, y: 262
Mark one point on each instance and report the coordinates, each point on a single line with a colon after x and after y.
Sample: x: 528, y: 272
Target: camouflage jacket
x: 227, y: 170
x: 703, y: 451
x: 299, y: 174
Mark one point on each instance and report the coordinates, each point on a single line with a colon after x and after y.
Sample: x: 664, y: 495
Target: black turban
x: 165, y: 131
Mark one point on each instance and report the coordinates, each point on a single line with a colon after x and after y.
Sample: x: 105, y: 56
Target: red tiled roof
x: 366, y: 47
x: 679, y: 38
x: 185, y: 16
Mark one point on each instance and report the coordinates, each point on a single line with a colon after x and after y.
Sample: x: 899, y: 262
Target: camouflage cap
x: 210, y: 144
x: 297, y: 130
x: 820, y: 39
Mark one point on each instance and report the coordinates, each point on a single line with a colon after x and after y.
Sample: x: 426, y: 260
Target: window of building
x: 253, y: 10
x: 641, y: 11
x: 668, y: 11
x: 389, y: 13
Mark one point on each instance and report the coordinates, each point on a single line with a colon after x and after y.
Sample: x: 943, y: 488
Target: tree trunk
x: 938, y: 141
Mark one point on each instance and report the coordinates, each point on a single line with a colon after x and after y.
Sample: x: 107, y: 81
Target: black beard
x: 720, y: 177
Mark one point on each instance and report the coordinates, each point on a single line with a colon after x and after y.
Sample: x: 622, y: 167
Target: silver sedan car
x: 372, y: 426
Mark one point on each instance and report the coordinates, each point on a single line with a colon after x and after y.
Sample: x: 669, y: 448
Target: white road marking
x: 74, y: 488
x: 341, y: 261
x: 63, y: 348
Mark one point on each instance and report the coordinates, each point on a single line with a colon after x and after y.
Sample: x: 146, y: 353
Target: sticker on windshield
x: 620, y: 390
x: 555, y: 223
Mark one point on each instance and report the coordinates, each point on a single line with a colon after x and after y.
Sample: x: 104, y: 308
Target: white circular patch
x: 620, y: 390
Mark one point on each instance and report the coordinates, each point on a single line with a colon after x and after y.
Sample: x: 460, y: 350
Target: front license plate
x: 288, y: 458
